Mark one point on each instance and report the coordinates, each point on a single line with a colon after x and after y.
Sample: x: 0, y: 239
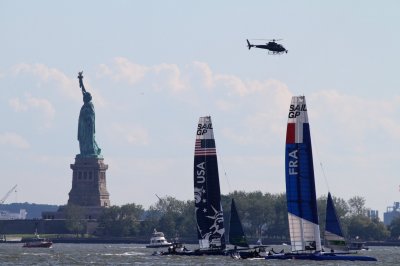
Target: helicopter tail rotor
x: 248, y: 44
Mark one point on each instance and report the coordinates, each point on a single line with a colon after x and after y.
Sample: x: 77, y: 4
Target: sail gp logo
x: 295, y: 110
x: 203, y: 128
x: 293, y: 163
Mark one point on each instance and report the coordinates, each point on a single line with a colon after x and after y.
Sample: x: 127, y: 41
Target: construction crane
x: 8, y: 194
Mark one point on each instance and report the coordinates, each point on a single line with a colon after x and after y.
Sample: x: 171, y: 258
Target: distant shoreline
x: 116, y: 240
x: 141, y: 240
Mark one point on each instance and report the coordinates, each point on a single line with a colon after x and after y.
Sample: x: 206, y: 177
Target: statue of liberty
x: 86, y: 126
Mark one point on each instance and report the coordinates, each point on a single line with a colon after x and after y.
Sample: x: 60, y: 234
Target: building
x: 373, y: 214
x: 6, y: 215
x: 391, y: 213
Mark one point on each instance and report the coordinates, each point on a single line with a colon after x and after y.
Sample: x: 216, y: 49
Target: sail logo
x: 213, y: 234
x: 203, y: 128
x: 295, y: 110
x: 200, y: 173
x: 198, y: 194
x: 293, y: 162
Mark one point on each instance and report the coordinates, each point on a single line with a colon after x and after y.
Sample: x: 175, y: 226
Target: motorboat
x: 358, y: 245
x: 37, y: 242
x: 158, y: 240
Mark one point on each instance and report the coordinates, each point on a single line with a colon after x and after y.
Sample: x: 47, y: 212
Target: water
x: 132, y: 254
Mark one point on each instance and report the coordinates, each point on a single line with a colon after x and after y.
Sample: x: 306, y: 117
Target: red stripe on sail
x: 291, y: 133
x: 199, y: 151
x: 207, y: 151
x: 198, y: 143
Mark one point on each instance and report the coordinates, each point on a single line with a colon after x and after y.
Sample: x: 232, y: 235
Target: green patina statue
x: 86, y: 126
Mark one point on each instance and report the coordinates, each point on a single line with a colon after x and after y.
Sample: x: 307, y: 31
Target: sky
x: 154, y: 67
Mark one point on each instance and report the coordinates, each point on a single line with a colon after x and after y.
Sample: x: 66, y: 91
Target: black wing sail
x: 236, y: 232
x: 207, y: 195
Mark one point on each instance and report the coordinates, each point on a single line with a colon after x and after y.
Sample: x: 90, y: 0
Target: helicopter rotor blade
x: 272, y: 40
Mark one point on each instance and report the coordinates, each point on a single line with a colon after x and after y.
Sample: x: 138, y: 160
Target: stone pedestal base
x: 86, y: 213
x: 89, y: 183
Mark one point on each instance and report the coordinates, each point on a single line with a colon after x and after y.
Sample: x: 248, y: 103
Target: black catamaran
x: 237, y: 236
x: 207, y: 195
x: 300, y: 192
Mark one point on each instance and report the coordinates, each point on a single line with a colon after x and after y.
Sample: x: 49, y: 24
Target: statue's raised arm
x: 80, y: 77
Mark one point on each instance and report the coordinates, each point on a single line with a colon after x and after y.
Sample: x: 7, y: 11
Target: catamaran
x: 333, y: 235
x: 300, y: 191
x: 237, y: 238
x: 207, y: 195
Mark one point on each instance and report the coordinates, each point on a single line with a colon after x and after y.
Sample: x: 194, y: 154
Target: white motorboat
x: 158, y: 240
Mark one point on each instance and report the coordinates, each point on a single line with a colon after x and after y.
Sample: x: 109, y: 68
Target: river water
x: 133, y: 254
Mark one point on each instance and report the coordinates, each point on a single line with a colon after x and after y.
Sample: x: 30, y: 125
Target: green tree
x: 394, y: 228
x: 278, y: 226
x: 377, y: 230
x: 357, y: 205
x: 262, y: 215
x: 321, y: 206
x: 175, y: 218
x: 121, y: 221
x: 75, y: 219
x: 362, y: 227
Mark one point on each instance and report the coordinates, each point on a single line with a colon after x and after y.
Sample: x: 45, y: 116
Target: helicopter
x: 272, y: 46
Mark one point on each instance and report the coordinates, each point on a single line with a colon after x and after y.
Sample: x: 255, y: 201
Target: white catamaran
x: 300, y: 192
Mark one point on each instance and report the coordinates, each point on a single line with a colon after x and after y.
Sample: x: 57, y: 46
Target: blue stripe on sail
x: 300, y: 183
x: 332, y: 223
x: 208, y: 143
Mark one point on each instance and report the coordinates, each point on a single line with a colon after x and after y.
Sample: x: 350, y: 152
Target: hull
x: 198, y: 252
x: 159, y: 246
x: 319, y: 257
x: 38, y: 245
x: 250, y: 254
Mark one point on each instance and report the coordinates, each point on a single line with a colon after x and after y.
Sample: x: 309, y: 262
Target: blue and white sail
x: 207, y: 195
x: 333, y: 235
x: 300, y: 183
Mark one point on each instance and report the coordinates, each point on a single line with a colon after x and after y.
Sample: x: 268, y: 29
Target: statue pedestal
x: 89, y: 183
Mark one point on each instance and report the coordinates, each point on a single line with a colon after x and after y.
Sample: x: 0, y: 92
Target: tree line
x: 262, y: 214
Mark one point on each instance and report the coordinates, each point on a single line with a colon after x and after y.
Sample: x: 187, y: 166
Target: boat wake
x: 129, y: 253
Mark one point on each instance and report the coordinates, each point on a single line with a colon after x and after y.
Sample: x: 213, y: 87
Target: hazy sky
x: 155, y: 67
